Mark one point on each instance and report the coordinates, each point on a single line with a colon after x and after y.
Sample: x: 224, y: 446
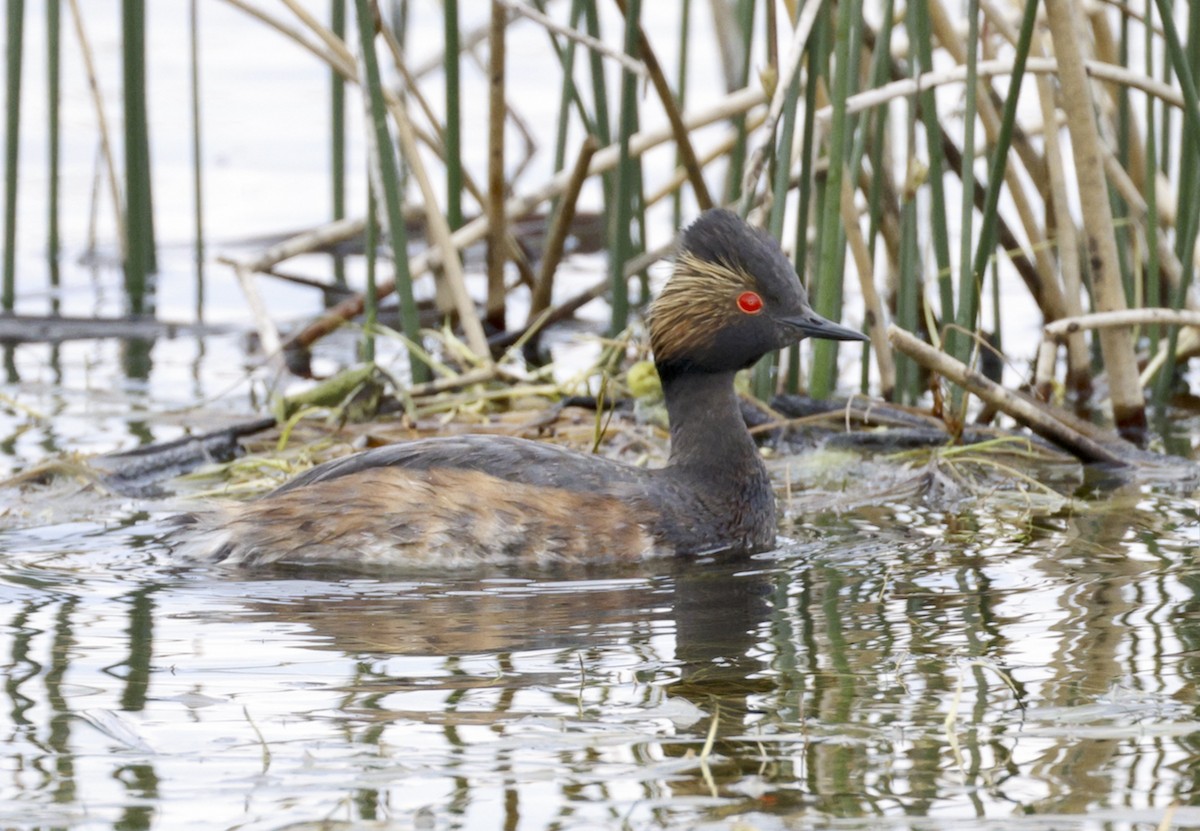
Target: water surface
x: 894, y: 666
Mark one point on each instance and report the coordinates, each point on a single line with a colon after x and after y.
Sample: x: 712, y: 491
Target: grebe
x: 445, y: 502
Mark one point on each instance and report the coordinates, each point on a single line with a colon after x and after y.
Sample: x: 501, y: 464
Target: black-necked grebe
x: 443, y: 502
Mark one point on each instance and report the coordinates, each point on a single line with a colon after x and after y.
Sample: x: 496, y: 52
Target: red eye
x: 749, y: 302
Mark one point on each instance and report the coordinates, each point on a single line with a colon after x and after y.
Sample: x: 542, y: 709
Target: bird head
x: 733, y: 298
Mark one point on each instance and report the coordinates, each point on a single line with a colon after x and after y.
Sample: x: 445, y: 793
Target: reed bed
x: 952, y: 175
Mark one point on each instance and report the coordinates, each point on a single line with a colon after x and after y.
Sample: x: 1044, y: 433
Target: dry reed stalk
x: 683, y: 141
x: 341, y: 60
x: 1107, y: 52
x: 904, y: 87
x: 987, y: 100
x: 589, y: 42
x: 497, y: 113
x: 725, y: 27
x: 889, y: 213
x: 1079, y: 370
x: 333, y: 59
x: 268, y: 332
x: 110, y: 165
x: 1168, y: 260
x: 1034, y: 415
x: 1116, y: 345
x: 468, y: 41
x: 1187, y: 346
x: 719, y: 150
x: 439, y: 227
x: 795, y: 57
x: 1051, y: 300
x: 1059, y: 331
x: 436, y: 143
x: 479, y: 375
x: 739, y: 102
x: 332, y: 41
x: 332, y: 233
x: 1034, y: 162
x: 556, y: 237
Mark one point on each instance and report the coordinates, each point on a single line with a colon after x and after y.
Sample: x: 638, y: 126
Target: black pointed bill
x: 814, y: 326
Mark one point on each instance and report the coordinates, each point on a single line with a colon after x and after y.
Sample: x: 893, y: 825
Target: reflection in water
x: 136, y: 358
x: 959, y: 669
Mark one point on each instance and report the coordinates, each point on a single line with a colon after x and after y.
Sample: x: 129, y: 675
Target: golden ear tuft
x: 700, y: 298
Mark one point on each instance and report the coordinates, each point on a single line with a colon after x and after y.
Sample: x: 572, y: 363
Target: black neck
x: 708, y: 431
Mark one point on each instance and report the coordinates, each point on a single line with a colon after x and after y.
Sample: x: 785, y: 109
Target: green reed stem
x: 872, y: 131
x: 857, y: 137
x: 817, y: 60
x: 371, y: 296
x: 827, y: 290
x: 53, y: 103
x: 1188, y: 213
x: 918, y: 22
x: 570, y: 90
x: 877, y: 76
x: 1153, y: 278
x: 139, y: 207
x: 1189, y: 167
x: 908, y: 380
x: 603, y: 125
x: 567, y: 95
x: 1188, y: 163
x: 995, y: 182
x: 638, y: 243
x: 1180, y: 62
x: 627, y: 178
x: 389, y: 176
x: 12, y: 122
x: 1122, y: 230
x: 766, y: 370
x: 996, y: 338
x: 781, y: 181
x: 1165, y: 131
x: 197, y: 154
x: 453, y: 135
x: 968, y: 286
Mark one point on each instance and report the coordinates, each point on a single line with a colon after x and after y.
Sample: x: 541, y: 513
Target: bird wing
x: 505, y: 457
